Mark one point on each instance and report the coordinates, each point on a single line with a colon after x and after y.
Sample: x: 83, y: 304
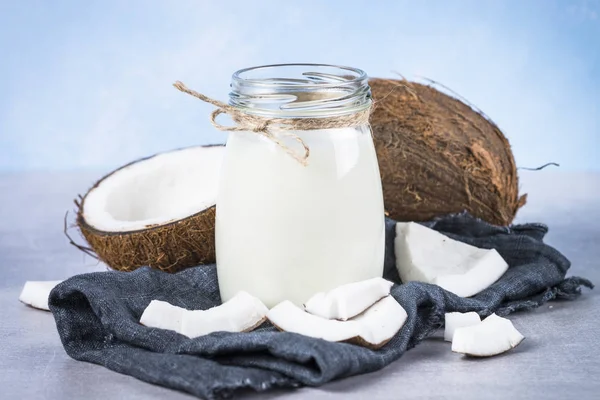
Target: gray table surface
x: 559, y: 360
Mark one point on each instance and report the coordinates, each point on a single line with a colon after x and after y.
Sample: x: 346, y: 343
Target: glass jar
x: 284, y: 230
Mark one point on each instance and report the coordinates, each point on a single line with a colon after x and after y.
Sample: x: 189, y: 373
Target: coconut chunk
x: 242, y: 313
x: 290, y: 318
x: 373, y: 328
x: 381, y: 321
x: 455, y: 320
x: 348, y: 300
x: 35, y: 293
x: 160, y: 314
x: 494, y: 335
x: 424, y: 255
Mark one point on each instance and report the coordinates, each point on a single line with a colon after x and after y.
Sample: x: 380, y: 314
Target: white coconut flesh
x: 375, y: 327
x: 455, y: 320
x: 425, y: 255
x: 163, y: 315
x: 242, y: 313
x: 348, y: 300
x: 165, y: 188
x: 35, y: 293
x: 494, y: 335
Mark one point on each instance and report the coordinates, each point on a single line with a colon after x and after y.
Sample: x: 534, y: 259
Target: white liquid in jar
x: 285, y: 231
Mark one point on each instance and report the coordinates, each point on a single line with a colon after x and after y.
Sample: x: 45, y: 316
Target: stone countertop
x: 560, y: 359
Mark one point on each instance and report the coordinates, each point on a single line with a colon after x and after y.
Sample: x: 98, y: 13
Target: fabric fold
x: 97, y: 317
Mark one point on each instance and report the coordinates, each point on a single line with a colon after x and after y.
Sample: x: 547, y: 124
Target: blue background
x: 87, y: 84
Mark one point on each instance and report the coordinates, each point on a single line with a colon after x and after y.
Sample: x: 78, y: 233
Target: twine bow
x: 266, y: 127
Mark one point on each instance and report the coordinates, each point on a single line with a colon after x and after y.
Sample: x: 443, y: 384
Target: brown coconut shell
x: 170, y: 247
x: 437, y: 155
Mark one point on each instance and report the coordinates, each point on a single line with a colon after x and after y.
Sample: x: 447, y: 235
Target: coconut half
x: 425, y: 255
x: 158, y: 211
x: 242, y: 313
x: 348, y: 300
x: 373, y: 328
x: 455, y: 320
x: 493, y: 336
x: 35, y: 293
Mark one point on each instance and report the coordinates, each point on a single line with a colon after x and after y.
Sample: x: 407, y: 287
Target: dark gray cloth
x: 97, y: 318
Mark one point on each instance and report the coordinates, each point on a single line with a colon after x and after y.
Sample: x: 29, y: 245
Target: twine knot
x: 261, y: 128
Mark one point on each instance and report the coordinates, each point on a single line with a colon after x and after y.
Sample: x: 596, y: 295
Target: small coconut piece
x: 348, y: 300
x: 35, y: 293
x: 160, y: 314
x: 242, y: 313
x: 494, y: 335
x: 288, y: 317
x: 455, y: 320
x: 425, y: 255
x: 381, y: 322
x: 158, y: 211
x: 373, y: 328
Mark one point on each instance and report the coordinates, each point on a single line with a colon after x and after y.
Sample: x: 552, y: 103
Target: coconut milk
x: 285, y: 231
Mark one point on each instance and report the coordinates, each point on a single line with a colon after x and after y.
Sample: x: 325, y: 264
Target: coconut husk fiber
x: 438, y: 156
x: 171, y: 247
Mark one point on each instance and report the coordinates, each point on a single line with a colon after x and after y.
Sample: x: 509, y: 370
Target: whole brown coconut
x: 438, y: 156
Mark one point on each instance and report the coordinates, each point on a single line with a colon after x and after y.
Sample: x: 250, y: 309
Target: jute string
x: 268, y: 126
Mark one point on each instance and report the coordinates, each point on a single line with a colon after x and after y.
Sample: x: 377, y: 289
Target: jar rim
x: 238, y: 77
x: 300, y: 90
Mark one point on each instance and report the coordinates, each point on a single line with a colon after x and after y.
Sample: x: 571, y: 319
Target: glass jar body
x: 285, y: 231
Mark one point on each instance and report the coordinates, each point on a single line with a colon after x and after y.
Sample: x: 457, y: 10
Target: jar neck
x: 300, y: 91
